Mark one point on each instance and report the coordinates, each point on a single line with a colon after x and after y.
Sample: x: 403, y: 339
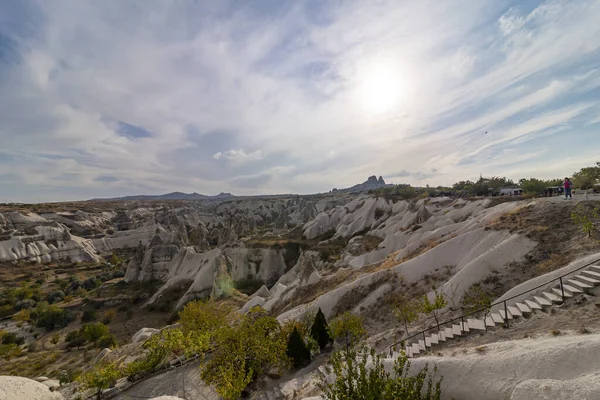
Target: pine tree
x: 297, y: 350
x: 320, y: 330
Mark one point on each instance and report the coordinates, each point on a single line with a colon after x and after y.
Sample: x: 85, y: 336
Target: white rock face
x: 19, y: 388
x: 561, y: 368
x: 51, y: 243
x: 143, y: 334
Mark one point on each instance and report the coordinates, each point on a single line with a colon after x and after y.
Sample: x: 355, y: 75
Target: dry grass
x: 554, y: 262
x: 481, y: 349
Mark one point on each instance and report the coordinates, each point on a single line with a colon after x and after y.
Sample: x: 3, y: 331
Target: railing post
x: 562, y: 289
x: 424, y: 341
x: 506, y: 315
x: 462, y: 323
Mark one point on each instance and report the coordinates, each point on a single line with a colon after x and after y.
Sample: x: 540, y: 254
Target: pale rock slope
x: 456, y: 233
x: 556, y: 368
x: 19, y: 388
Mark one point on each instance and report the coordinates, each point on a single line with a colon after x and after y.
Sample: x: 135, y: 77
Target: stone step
x: 581, y: 284
x: 434, y: 338
x: 573, y: 289
x: 593, y: 274
x: 595, y: 268
x: 559, y: 293
x: 408, y: 351
x: 448, y: 333
x: 591, y: 281
x: 476, y: 324
x: 497, y: 318
x: 533, y: 305
x: 551, y: 297
x: 489, y: 322
x: 456, y: 331
x: 503, y: 315
x: 423, y: 345
x: 464, y: 326
x: 442, y: 336
x: 524, y: 308
x: 416, y: 348
x: 514, y: 311
x: 542, y: 301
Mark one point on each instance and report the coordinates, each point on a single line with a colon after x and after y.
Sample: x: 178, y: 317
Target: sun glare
x: 381, y: 88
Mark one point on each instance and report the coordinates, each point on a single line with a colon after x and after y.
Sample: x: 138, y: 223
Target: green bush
x: 360, y: 375
x: 108, y: 341
x: 88, y: 315
x: 12, y: 338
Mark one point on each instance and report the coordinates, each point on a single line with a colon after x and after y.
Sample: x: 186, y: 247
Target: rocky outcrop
x: 19, y: 388
x: 44, y: 243
x: 143, y: 334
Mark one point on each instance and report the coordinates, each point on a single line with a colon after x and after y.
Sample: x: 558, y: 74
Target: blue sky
x: 118, y: 97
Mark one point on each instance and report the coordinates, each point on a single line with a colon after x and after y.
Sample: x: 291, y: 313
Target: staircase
x: 578, y: 282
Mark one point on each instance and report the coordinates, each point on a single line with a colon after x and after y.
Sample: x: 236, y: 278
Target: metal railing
x: 486, y: 309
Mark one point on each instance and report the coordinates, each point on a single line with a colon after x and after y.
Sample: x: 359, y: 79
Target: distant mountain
x: 170, y: 196
x: 371, y: 183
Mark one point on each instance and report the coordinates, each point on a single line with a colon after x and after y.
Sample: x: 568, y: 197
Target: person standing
x: 567, y: 185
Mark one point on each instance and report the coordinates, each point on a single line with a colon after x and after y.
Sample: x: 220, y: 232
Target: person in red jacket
x: 567, y: 185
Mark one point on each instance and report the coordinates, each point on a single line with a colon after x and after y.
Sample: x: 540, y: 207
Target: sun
x: 381, y: 88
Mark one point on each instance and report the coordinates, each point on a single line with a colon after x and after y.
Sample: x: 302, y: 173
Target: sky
x: 118, y: 97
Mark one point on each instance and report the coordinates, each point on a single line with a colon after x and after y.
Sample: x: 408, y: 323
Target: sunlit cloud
x: 103, y: 99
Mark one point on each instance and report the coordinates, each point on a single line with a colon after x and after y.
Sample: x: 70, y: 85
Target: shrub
x: 12, y: 338
x: 108, y: 316
x: 56, y: 296
x: 92, y: 332
x: 297, y: 350
x: 356, y: 380
x: 88, y: 315
x: 32, y: 347
x: 51, y: 317
x: 108, y: 341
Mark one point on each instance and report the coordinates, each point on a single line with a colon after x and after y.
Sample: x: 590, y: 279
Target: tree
x: 207, y: 316
x: 587, y: 177
x: 114, y: 259
x: 349, y: 327
x: 320, y: 330
x: 588, y: 218
x: 243, y: 351
x: 297, y: 350
x: 100, y: 378
x: 406, y: 311
x: 169, y: 342
x: 360, y: 374
x: 477, y: 299
x: 433, y: 307
x: 92, y: 332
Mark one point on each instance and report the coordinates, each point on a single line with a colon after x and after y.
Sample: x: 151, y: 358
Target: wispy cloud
x: 109, y: 98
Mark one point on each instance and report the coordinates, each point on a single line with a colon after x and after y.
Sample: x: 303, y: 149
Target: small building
x: 511, y: 191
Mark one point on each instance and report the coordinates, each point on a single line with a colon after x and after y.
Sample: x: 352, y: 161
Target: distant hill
x: 371, y: 183
x: 170, y: 196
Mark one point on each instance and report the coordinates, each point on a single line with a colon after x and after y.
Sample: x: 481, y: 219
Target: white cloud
x: 214, y: 81
x: 238, y: 155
